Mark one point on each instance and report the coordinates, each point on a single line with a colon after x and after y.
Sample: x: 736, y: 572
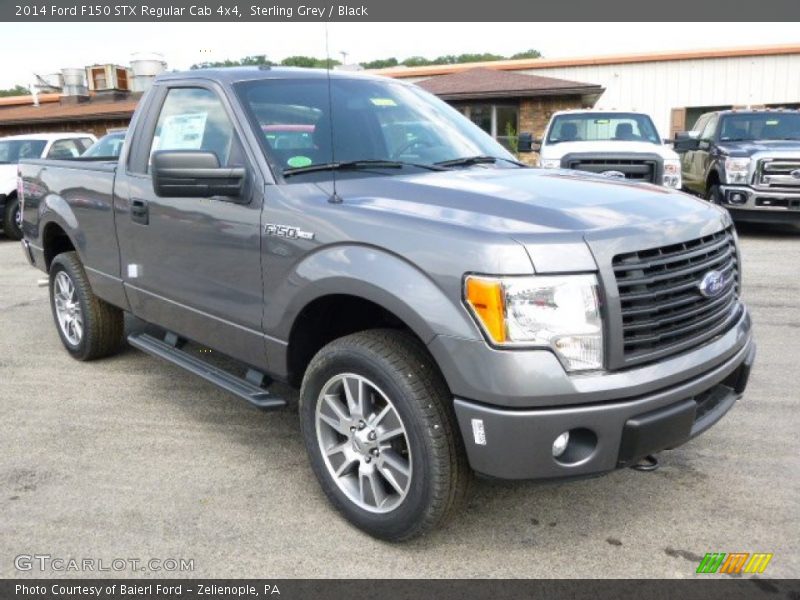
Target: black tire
x: 102, y: 323
x: 714, y: 194
x: 406, y: 373
x: 11, y: 225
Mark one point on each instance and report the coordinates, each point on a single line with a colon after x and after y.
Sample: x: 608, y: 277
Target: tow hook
x: 648, y: 463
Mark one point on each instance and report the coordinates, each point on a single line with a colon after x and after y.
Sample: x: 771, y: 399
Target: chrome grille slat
x: 662, y: 309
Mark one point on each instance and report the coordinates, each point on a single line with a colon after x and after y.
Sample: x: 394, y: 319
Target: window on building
x: 501, y: 121
x: 122, y: 79
x: 99, y: 78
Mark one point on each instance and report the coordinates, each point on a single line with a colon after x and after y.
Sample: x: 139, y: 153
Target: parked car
x: 108, y: 146
x: 625, y: 145
x: 442, y: 308
x: 13, y: 149
x: 747, y: 161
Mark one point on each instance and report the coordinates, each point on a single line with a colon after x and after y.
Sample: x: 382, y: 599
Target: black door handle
x: 139, y: 212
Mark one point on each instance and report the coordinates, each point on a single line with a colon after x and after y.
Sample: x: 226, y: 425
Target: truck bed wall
x: 76, y: 195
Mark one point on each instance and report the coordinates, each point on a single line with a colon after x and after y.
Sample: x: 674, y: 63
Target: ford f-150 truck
x: 39, y: 145
x: 442, y: 308
x: 747, y: 161
x: 620, y: 144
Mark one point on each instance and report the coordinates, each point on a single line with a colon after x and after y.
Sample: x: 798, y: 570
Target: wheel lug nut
x: 367, y: 459
x: 352, y: 428
x: 375, y: 452
x: 361, y: 424
x: 372, y: 435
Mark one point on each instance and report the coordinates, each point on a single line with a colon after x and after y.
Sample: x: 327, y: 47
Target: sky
x: 44, y: 48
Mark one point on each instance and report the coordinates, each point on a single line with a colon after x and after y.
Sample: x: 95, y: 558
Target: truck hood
x: 554, y: 151
x: 520, y: 201
x: 566, y: 220
x: 8, y: 178
x: 748, y: 148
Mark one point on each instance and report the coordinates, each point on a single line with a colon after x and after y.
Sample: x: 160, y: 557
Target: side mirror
x: 525, y: 142
x: 686, y: 140
x: 194, y: 174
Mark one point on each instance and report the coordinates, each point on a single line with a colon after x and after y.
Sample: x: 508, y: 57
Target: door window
x: 66, y: 149
x: 195, y: 119
x: 708, y: 130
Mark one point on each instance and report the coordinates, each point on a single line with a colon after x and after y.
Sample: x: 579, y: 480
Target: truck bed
x: 78, y: 197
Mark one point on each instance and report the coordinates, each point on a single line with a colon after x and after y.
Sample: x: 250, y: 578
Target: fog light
x: 560, y: 444
x: 737, y: 198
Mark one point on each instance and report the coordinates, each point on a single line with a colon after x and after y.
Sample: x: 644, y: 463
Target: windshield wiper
x: 466, y: 161
x: 359, y: 164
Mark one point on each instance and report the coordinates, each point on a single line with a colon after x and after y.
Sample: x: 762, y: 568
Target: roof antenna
x: 334, y: 198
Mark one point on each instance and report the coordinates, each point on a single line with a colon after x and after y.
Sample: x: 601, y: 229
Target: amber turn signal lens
x: 485, y: 296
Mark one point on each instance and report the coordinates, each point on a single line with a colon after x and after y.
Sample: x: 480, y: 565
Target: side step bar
x: 245, y: 388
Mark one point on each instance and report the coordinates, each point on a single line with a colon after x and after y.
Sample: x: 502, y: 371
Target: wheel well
x: 328, y: 318
x: 55, y: 241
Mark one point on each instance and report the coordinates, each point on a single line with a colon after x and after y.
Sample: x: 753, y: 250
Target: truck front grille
x: 633, y: 169
x: 778, y: 173
x: 663, y: 310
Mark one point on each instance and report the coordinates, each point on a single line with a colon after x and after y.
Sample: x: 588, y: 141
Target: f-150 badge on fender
x: 287, y: 231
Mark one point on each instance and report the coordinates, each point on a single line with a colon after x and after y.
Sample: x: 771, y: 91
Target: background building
x: 673, y: 87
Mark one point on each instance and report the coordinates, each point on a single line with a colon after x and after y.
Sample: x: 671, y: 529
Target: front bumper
x: 517, y: 444
x: 748, y: 204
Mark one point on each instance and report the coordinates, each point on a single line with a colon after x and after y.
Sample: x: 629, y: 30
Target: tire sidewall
x: 714, y: 195
x: 60, y: 264
x: 12, y: 228
x: 398, y: 522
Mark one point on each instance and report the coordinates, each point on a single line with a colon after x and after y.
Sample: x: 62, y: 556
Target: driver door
x: 193, y: 265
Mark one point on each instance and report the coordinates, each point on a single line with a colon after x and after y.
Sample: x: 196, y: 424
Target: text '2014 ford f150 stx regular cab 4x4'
x: 442, y: 308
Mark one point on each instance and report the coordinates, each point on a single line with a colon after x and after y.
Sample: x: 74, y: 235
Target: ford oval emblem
x: 795, y: 174
x: 613, y: 174
x: 712, y: 284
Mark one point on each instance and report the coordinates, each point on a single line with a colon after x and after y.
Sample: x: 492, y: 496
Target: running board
x: 245, y: 388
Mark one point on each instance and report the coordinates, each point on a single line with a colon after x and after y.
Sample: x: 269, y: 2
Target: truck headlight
x: 672, y: 173
x: 550, y: 163
x: 737, y: 170
x: 561, y: 312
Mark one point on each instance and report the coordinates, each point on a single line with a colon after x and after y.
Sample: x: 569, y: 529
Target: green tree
x: 383, y: 63
x: 527, y: 54
x: 247, y: 61
x: 309, y: 62
x: 17, y: 90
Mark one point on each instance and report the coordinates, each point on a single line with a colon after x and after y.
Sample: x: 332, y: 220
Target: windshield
x: 603, y: 127
x: 371, y: 120
x: 760, y: 126
x: 107, y: 146
x: 12, y: 151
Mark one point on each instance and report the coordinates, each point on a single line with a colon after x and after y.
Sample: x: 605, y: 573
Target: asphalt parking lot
x: 130, y: 457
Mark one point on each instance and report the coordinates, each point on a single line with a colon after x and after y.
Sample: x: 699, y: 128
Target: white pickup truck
x: 35, y: 145
x: 618, y: 144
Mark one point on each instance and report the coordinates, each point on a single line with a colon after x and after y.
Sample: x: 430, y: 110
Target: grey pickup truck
x: 443, y: 309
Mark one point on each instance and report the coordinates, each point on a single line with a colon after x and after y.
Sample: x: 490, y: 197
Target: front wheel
x: 12, y: 222
x: 379, y: 428
x: 714, y: 194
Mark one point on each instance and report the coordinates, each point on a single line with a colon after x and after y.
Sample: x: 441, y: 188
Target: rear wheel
x: 379, y: 427
x: 89, y: 327
x: 12, y: 222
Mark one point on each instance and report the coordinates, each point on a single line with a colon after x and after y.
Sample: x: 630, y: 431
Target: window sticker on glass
x: 383, y: 102
x: 298, y: 161
x: 183, y: 132
x: 602, y: 121
x: 772, y: 122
